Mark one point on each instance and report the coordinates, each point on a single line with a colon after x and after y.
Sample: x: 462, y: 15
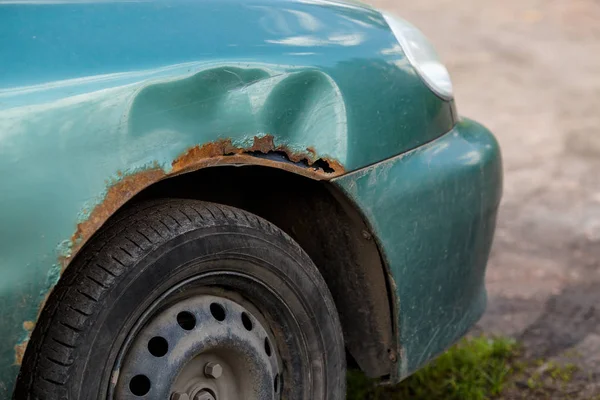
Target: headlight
x: 422, y: 56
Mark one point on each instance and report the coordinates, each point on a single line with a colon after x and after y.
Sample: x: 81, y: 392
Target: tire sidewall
x: 269, y: 258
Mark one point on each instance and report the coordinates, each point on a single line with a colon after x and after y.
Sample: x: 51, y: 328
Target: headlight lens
x: 422, y: 56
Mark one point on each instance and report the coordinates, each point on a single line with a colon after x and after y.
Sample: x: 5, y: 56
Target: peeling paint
x: 263, y: 151
x: 22, y: 346
x: 116, y: 196
x: 221, y: 152
x: 20, y: 351
x: 225, y: 152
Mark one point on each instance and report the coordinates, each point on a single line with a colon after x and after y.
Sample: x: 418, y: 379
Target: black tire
x: 154, y: 247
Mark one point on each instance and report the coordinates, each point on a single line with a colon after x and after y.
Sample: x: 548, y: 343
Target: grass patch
x: 474, y: 369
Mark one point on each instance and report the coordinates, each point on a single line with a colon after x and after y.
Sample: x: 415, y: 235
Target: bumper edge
x: 433, y: 211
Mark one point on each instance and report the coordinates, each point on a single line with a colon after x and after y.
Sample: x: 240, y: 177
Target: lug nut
x: 203, y: 395
x: 213, y: 370
x: 180, y: 396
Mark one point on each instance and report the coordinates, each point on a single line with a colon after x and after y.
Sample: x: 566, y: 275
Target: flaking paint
x: 221, y: 152
x: 92, y: 113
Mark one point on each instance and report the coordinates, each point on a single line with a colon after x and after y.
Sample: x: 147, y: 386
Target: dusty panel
x: 433, y: 211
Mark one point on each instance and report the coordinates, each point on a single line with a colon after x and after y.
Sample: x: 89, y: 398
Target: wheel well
x: 327, y: 226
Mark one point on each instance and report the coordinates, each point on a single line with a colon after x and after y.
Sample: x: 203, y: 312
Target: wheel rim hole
x: 186, y: 320
x: 246, y: 321
x: 276, y: 383
x: 158, y: 346
x: 217, y: 311
x: 139, y: 385
x: 267, y: 347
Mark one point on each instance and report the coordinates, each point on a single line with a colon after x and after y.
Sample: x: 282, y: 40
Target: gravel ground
x: 530, y: 71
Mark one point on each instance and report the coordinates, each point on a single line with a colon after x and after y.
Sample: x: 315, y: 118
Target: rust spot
x: 28, y: 325
x: 117, y: 195
x: 220, y: 152
x: 207, y: 151
x: 20, y: 351
x: 264, y: 144
x: 393, y: 356
x: 21, y: 347
x: 224, y: 152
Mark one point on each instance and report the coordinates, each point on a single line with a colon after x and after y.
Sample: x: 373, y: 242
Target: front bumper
x: 433, y: 211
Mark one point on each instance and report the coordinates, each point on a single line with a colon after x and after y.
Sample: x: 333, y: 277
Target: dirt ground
x: 530, y: 71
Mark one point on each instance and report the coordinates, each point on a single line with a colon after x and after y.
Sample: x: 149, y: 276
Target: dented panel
x: 262, y: 152
x: 91, y: 113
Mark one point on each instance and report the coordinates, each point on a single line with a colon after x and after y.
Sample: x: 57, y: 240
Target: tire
x: 160, y: 255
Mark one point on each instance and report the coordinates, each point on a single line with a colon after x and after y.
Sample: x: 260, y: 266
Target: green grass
x: 474, y: 369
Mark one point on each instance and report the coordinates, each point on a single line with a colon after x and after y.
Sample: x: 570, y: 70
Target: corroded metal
x: 90, y: 114
x: 221, y: 152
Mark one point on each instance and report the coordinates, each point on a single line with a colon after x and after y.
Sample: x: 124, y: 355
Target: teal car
x: 231, y: 199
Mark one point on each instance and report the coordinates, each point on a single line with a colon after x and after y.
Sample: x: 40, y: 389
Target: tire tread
x: 115, y: 248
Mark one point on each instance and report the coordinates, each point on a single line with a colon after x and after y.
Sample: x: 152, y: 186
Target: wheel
x: 183, y: 299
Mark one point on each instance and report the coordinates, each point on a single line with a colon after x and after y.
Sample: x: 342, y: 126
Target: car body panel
x: 434, y: 211
x: 100, y: 99
x: 55, y: 52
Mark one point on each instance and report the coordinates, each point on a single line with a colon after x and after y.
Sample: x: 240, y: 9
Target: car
x: 224, y: 199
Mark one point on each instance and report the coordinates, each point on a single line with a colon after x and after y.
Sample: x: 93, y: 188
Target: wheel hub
x: 205, y: 347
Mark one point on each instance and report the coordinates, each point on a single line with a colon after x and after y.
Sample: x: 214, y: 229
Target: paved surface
x: 530, y: 71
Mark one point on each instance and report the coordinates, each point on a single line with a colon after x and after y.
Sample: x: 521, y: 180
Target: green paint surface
x: 93, y: 91
x: 433, y: 211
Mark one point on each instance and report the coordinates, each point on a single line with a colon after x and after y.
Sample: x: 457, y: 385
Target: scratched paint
x: 92, y: 113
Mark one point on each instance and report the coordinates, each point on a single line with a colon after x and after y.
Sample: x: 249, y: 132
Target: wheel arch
x: 326, y: 225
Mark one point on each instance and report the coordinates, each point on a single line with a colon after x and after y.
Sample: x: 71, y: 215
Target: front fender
x: 101, y: 99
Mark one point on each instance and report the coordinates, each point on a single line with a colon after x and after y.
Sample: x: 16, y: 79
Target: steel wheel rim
x: 167, y: 354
